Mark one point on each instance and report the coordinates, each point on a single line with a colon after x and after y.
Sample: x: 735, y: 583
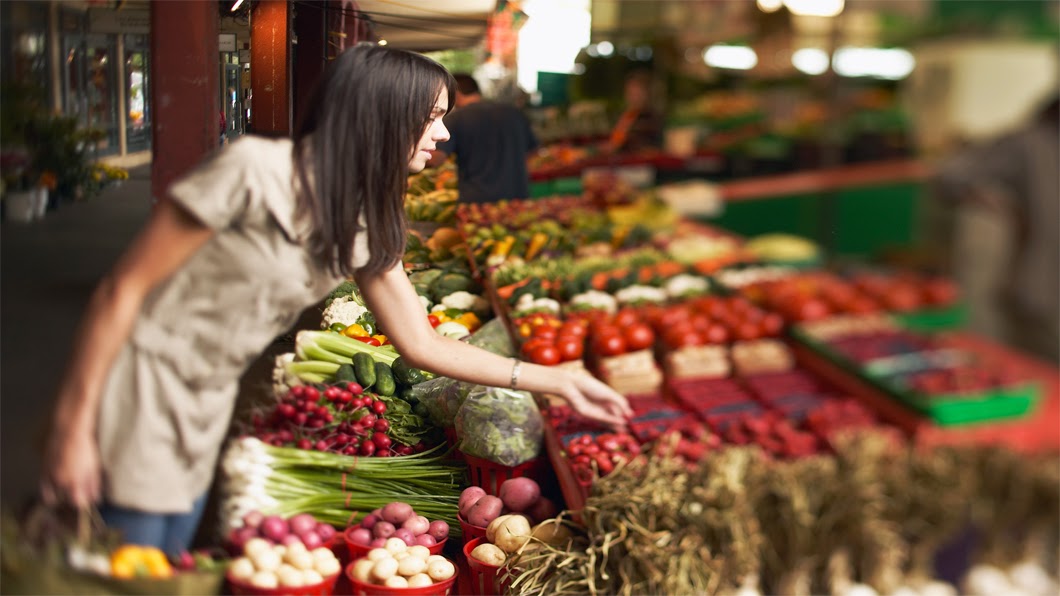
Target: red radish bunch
x: 340, y: 418
x: 591, y: 455
x: 303, y: 528
x: 772, y: 433
x: 397, y: 520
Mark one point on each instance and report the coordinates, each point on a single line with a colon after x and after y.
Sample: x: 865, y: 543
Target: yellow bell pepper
x: 469, y: 320
x: 382, y: 339
x: 133, y: 560
x: 355, y: 330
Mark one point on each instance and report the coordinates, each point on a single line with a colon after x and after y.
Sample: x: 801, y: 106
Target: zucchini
x: 345, y: 374
x: 364, y: 366
x: 384, y: 380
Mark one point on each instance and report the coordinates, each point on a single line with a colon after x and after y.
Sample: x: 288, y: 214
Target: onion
x: 369, y: 521
x: 439, y: 529
x: 239, y: 537
x: 302, y: 523
x: 274, y: 528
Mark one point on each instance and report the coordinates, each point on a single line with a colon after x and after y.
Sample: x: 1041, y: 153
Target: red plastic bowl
x: 242, y: 588
x: 470, y: 532
x: 483, y: 579
x: 358, y: 551
x: 437, y: 589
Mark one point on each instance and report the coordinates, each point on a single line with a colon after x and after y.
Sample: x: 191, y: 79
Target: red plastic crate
x: 484, y: 579
x: 489, y: 476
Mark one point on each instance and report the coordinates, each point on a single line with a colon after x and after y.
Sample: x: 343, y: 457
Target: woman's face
x: 435, y: 133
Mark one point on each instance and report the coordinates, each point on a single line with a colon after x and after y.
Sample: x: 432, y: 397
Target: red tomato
x: 625, y: 317
x: 433, y: 320
x: 638, y: 336
x: 680, y: 337
x: 746, y: 330
x: 544, y: 354
x: 716, y: 333
x: 772, y: 324
x: 574, y: 329
x: 611, y: 344
x: 570, y: 348
x: 534, y: 343
x: 547, y: 331
x: 368, y: 340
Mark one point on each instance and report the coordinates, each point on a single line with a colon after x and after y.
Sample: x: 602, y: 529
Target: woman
x: 250, y: 238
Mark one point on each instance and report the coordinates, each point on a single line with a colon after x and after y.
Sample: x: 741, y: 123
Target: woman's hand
x: 72, y: 470
x: 594, y: 399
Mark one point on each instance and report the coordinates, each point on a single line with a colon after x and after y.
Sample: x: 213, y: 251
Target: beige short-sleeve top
x: 169, y: 398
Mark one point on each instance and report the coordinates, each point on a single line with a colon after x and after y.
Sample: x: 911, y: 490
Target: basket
x: 358, y: 551
x: 470, y: 532
x: 437, y: 589
x: 241, y: 588
x: 489, y: 475
x: 483, y: 579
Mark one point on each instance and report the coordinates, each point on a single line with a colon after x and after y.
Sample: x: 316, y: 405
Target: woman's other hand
x: 72, y: 469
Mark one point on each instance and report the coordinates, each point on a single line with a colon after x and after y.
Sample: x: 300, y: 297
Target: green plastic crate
x: 954, y: 410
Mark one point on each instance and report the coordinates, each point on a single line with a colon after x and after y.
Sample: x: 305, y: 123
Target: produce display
x: 397, y: 565
x: 395, y: 520
x: 271, y: 552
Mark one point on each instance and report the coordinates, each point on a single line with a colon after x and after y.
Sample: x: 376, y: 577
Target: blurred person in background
x: 492, y: 142
x: 1017, y: 176
x: 259, y: 231
x: 640, y: 126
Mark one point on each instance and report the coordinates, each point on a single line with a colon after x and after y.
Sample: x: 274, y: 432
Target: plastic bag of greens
x: 499, y: 425
x: 439, y: 399
x: 493, y: 337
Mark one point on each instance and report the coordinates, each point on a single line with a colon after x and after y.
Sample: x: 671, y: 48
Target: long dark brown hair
x: 352, y: 149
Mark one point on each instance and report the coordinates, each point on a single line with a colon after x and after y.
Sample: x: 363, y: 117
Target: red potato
x: 468, y: 498
x: 485, y: 510
x: 519, y: 494
x: 543, y: 509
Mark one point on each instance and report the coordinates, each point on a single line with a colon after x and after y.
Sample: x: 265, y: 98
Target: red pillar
x: 184, y: 89
x: 270, y: 57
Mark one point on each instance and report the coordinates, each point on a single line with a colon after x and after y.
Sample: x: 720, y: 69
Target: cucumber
x: 364, y: 366
x: 384, y: 379
x: 346, y: 374
x: 405, y: 374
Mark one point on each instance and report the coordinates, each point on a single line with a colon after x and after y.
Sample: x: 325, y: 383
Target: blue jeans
x: 171, y: 532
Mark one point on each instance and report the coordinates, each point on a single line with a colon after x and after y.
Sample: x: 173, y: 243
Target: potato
x: 519, y: 494
x: 542, y: 510
x: 491, y: 529
x: 552, y: 532
x: 485, y: 510
x: 468, y: 498
x: 489, y: 554
x: 512, y: 533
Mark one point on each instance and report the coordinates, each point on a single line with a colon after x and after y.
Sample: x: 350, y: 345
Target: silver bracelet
x: 515, y: 372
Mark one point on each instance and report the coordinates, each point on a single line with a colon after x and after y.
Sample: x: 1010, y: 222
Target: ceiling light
x: 236, y: 5
x: 733, y: 57
x: 815, y: 8
x: 605, y: 48
x: 812, y: 61
x: 770, y: 5
x: 382, y: 42
x: 893, y: 63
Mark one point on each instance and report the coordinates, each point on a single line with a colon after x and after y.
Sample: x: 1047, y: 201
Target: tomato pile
x: 625, y: 331
x: 709, y: 320
x: 340, y: 418
x: 549, y: 340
